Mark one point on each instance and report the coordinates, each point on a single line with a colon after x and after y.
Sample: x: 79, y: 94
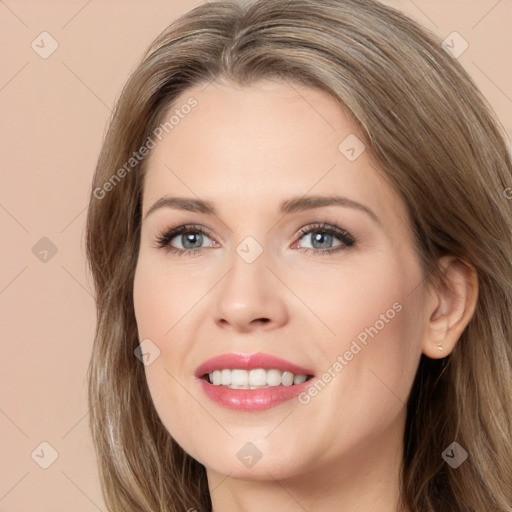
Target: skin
x: 246, y: 149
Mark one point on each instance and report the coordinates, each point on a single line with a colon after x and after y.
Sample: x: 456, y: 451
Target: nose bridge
x: 248, y: 291
x: 247, y: 276
x: 250, y: 250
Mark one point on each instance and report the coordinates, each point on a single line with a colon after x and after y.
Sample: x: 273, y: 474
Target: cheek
x: 375, y: 301
x: 372, y: 357
x: 158, y: 308
x: 161, y: 298
x: 163, y: 302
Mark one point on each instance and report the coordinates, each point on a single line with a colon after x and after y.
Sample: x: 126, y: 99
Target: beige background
x: 54, y: 113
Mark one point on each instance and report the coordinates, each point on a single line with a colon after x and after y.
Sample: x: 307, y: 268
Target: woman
x: 338, y: 334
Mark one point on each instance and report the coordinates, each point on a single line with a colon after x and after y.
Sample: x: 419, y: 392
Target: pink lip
x: 249, y: 362
x: 250, y: 400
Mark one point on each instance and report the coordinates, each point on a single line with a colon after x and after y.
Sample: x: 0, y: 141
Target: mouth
x: 252, y: 382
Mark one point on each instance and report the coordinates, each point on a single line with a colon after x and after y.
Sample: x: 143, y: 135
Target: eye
x: 322, y: 237
x: 190, y: 237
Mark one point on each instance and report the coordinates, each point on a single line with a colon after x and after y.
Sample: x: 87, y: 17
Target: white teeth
x: 299, y: 379
x: 239, y: 378
x: 254, y: 379
x: 287, y: 379
x: 274, y: 377
x: 226, y: 377
x: 257, y: 377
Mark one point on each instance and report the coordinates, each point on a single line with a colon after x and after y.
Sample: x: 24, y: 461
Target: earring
x: 440, y: 347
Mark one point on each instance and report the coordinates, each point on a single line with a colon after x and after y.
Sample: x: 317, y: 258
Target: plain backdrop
x: 54, y: 112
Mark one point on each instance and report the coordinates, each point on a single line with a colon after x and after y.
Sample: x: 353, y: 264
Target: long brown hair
x: 438, y: 144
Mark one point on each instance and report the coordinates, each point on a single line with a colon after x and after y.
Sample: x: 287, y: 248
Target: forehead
x: 261, y: 144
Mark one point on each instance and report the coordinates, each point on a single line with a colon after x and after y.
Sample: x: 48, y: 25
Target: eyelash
x: 348, y: 240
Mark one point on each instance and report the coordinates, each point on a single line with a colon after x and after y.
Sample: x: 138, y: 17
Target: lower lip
x: 252, y: 400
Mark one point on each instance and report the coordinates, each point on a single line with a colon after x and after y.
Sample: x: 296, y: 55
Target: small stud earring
x: 440, y: 347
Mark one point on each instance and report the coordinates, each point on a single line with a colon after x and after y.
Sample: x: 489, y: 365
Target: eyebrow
x: 293, y: 205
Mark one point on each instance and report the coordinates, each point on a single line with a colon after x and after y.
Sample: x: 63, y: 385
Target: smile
x: 251, y: 382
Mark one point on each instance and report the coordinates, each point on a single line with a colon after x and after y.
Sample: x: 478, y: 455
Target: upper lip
x: 249, y: 362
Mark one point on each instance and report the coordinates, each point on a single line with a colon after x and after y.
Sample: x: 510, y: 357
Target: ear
x: 451, y: 305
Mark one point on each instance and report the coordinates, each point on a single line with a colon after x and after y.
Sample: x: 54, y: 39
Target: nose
x: 250, y: 296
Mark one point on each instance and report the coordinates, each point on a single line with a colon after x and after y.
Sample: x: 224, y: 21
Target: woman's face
x: 334, y: 289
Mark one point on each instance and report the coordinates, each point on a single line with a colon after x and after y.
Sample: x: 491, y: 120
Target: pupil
x: 318, y: 238
x: 189, y: 237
